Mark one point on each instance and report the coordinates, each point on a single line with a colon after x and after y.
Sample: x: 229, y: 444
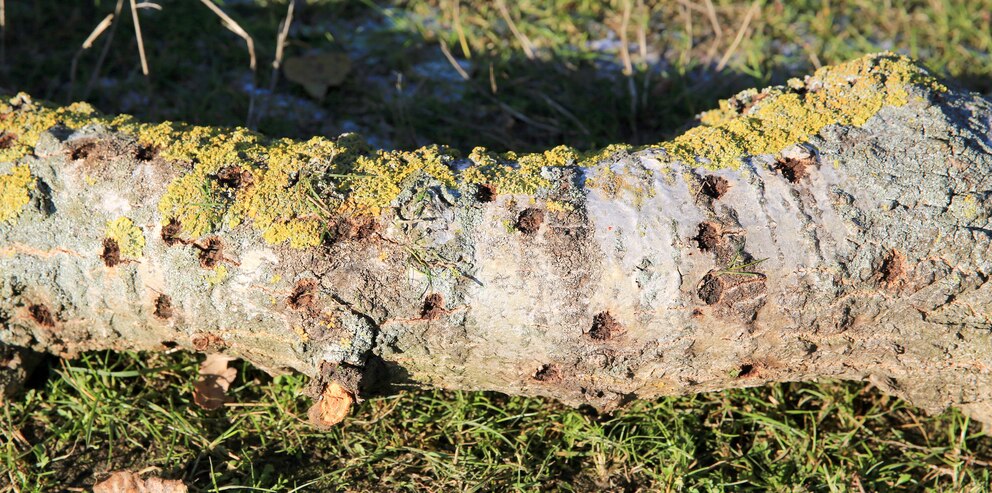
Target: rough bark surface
x: 835, y: 227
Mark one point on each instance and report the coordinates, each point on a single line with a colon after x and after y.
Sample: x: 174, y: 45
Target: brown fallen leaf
x: 210, y: 390
x: 317, y: 72
x: 331, y: 407
x: 129, y: 482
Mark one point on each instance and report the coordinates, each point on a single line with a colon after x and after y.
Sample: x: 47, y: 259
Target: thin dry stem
x: 454, y: 63
x: 462, y: 39
x: 137, y: 35
x: 740, y: 35
x: 97, y: 31
x: 87, y: 44
x: 524, y: 41
x: 281, y: 38
x: 103, y: 53
x: 235, y: 28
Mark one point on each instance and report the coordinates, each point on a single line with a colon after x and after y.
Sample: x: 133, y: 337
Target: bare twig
x: 103, y: 53
x: 628, y: 67
x: 87, y: 44
x: 684, y: 56
x: 524, y: 42
x: 97, y: 31
x: 711, y: 13
x: 281, y: 39
x: 642, y: 45
x: 568, y: 114
x: 458, y: 28
x: 254, y: 119
x: 3, y: 32
x: 454, y: 63
x: 137, y: 35
x: 235, y: 28
x: 740, y: 35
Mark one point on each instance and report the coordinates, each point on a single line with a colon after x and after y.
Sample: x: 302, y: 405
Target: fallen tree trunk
x: 834, y: 227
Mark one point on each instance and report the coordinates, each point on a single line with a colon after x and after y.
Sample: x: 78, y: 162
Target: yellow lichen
x: 513, y: 174
x: 217, y: 276
x: 298, y: 189
x: 302, y: 334
x: 23, y: 121
x: 846, y: 94
x: 15, y: 192
x: 128, y: 236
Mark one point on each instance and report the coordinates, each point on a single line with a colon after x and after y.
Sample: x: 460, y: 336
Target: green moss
x: 129, y: 237
x: 15, y: 192
x: 846, y: 94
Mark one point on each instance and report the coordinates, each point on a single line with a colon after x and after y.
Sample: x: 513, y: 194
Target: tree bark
x: 836, y: 227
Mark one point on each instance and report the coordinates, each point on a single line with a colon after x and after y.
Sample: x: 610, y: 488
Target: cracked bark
x: 861, y: 253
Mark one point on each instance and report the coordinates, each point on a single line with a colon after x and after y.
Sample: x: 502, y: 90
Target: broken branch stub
x: 832, y: 227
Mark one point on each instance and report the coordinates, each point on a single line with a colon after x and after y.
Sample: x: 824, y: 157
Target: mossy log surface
x: 838, y: 226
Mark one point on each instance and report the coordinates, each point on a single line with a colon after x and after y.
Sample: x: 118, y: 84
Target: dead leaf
x: 210, y: 390
x: 317, y: 72
x: 332, y: 406
x: 129, y: 482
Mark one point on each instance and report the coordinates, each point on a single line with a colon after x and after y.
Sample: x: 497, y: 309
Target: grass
x: 108, y: 411
x: 576, y: 83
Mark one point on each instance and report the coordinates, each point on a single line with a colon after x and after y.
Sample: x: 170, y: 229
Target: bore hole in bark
x: 42, y: 315
x: 234, y: 177
x: 484, y: 193
x: 893, y: 268
x: 82, y: 150
x: 794, y: 169
x: 171, y: 231
x: 146, y: 153
x: 549, y: 373
x: 163, y: 307
x: 745, y: 370
x: 433, y: 307
x: 736, y: 293
x: 304, y: 294
x: 212, y: 253
x: 711, y: 289
x: 714, y: 186
x: 352, y: 229
x: 7, y: 139
x: 530, y: 220
x: 207, y: 341
x: 709, y: 236
x: 111, y: 255
x: 605, y: 327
